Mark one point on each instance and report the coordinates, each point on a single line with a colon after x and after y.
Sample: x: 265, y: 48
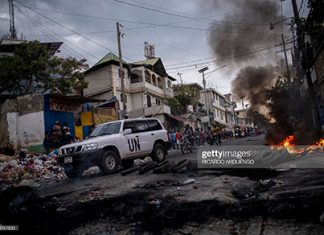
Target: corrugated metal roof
x: 147, y: 62
x: 109, y: 57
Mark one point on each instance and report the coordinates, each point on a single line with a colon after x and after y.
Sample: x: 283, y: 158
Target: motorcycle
x: 210, y: 139
x: 186, y: 145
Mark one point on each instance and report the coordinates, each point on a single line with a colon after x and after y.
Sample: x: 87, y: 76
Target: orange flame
x: 288, y: 141
x: 289, y: 144
x: 320, y: 143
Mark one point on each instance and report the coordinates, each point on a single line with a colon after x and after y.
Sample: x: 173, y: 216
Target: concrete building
x: 147, y: 85
x: 243, y: 120
x: 221, y: 108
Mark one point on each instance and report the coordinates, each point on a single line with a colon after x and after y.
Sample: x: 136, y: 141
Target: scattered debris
x: 188, y: 181
x: 29, y: 169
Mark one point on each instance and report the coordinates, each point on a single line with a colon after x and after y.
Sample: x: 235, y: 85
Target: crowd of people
x: 58, y: 136
x: 211, y: 135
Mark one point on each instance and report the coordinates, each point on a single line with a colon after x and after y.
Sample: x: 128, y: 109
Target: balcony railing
x: 146, y: 86
x: 149, y: 111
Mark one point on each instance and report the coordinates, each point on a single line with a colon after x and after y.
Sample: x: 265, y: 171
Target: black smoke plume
x: 252, y: 84
x: 245, y: 29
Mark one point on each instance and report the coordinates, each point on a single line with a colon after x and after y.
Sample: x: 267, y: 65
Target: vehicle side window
x: 154, y: 125
x: 141, y: 126
x: 129, y: 125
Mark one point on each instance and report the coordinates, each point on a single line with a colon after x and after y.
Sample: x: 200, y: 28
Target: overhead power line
x: 220, y: 59
x: 183, y: 15
x: 153, y: 25
x: 63, y: 26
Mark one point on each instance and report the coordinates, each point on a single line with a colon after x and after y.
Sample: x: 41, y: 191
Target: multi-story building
x: 220, y: 107
x: 147, y: 85
x: 243, y: 120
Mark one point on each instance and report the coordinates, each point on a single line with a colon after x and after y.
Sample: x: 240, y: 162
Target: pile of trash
x: 29, y: 169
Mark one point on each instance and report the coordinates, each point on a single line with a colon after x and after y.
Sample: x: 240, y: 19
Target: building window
x: 157, y: 101
x: 147, y: 76
x: 148, y: 101
x: 121, y: 98
x: 169, y: 84
x: 136, y: 76
x: 160, y: 82
x: 154, y: 80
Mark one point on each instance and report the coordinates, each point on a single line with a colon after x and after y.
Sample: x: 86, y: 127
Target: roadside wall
x: 50, y: 116
x: 22, y: 122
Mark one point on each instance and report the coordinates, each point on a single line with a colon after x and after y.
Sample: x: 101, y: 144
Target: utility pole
x: 306, y: 69
x: 13, y: 34
x: 244, y: 114
x: 121, y: 72
x: 285, y: 53
x: 202, y: 71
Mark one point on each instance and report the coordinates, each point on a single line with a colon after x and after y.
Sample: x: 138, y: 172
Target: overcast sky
x: 183, y: 38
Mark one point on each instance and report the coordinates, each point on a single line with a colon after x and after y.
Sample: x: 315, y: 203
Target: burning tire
x: 110, y: 162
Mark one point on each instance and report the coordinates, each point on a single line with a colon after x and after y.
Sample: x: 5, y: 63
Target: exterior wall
x: 12, y: 129
x: 8, y: 106
x: 104, y: 96
x: 150, y: 111
x: 50, y: 116
x: 31, y: 130
x: 129, y: 102
x: 98, y: 80
x: 22, y: 122
x: 117, y: 80
x: 138, y: 100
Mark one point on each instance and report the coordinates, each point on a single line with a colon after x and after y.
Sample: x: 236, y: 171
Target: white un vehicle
x: 116, y: 143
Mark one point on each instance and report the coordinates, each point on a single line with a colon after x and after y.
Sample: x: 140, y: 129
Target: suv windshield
x: 106, y: 129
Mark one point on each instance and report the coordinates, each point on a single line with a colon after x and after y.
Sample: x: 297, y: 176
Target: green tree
x: 176, y: 107
x: 31, y: 69
x: 186, y: 94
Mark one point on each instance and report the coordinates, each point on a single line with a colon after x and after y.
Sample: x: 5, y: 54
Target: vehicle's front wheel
x: 73, y: 172
x: 159, y: 153
x: 110, y: 162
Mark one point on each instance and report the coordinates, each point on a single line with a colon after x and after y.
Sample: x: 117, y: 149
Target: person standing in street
x: 178, y: 138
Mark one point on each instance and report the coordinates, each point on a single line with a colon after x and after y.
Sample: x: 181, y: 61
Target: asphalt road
x: 116, y: 181
x: 247, y: 141
x: 172, y: 201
